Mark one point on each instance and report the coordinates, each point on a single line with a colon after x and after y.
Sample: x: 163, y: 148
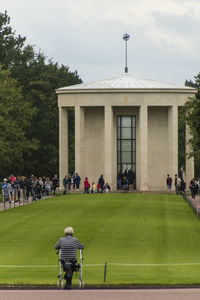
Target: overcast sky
x: 86, y: 35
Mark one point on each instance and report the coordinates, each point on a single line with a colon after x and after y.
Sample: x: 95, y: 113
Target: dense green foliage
x: 159, y: 234
x: 192, y: 117
x: 15, y: 117
x: 38, y: 79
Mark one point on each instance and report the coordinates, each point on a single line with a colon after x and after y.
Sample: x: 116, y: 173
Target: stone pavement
x: 113, y: 294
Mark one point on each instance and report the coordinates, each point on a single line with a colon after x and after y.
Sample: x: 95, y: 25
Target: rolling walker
x: 79, y: 268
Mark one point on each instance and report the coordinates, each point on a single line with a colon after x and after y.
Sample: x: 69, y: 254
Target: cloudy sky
x: 86, y: 35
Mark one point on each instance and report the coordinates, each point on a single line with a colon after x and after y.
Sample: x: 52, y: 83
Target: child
x: 93, y: 188
x: 86, y: 186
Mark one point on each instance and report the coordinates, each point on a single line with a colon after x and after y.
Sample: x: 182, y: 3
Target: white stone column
x: 143, y: 138
x: 79, y: 140
x: 108, y: 140
x: 63, y: 144
x: 189, y: 162
x: 172, y: 141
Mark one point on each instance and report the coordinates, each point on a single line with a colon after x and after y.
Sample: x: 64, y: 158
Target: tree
x: 10, y: 45
x: 192, y: 117
x: 41, y: 93
x: 38, y: 79
x: 15, y: 116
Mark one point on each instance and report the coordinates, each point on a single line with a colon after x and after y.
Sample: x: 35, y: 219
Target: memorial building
x: 124, y: 123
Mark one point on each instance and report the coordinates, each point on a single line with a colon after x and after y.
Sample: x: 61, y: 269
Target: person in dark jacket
x: 65, y: 182
x: 55, y: 183
x: 77, y: 180
x: 183, y: 185
x: 193, y: 188
x: 68, y: 246
x: 28, y: 188
x: 169, y: 183
x: 101, y: 183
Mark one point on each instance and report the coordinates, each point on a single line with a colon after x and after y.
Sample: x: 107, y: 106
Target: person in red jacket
x: 86, y: 186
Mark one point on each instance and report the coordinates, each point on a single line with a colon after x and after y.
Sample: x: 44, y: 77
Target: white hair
x: 69, y: 231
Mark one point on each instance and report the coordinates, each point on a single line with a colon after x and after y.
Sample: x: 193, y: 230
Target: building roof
x: 124, y: 82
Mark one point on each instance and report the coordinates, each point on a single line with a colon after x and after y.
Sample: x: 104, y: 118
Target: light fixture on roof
x: 126, y: 37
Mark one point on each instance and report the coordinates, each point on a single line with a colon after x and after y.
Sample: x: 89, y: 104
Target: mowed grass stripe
x: 138, y: 229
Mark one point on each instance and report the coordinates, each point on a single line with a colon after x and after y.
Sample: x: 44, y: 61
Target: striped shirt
x: 69, y: 246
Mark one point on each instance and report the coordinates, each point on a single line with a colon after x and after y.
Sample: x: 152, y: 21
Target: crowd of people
x: 99, y: 188
x: 20, y: 188
x: 180, y: 185
x: 126, y: 180
x: 73, y: 183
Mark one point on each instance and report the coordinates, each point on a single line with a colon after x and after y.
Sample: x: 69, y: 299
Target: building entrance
x: 126, y: 151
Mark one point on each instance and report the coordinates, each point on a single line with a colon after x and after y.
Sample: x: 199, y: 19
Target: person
x: 194, y: 189
x: 5, y: 190
x: 33, y: 185
x: 107, y: 188
x: 93, y: 188
x: 101, y: 183
x: 182, y: 185
x: 169, y: 183
x: 44, y: 181
x: 125, y: 185
x: 98, y: 188
x: 86, y: 186
x: 177, y: 184
x: 28, y: 188
x: 69, y: 246
x: 22, y: 186
x: 38, y: 189
x: 55, y: 183
x: 65, y: 182
x: 72, y: 183
x: 47, y: 186
x: 77, y: 181
x: 130, y: 179
x: 69, y: 182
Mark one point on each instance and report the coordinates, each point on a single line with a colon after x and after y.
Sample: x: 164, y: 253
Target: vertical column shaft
x: 189, y: 162
x: 143, y: 133
x: 79, y: 140
x: 108, y: 138
x: 63, y: 143
x: 173, y: 140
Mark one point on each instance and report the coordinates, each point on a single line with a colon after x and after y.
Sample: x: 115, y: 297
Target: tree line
x: 28, y: 106
x: 29, y: 112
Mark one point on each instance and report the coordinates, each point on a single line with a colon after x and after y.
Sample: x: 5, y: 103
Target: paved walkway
x: 130, y: 294
x: 10, y: 204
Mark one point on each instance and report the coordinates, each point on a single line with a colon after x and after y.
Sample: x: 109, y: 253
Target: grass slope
x: 115, y: 228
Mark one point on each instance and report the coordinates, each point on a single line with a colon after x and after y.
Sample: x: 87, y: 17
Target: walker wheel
x: 81, y: 284
x: 61, y: 283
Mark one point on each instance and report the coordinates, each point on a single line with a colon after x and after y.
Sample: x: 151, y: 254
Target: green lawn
x: 115, y: 228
